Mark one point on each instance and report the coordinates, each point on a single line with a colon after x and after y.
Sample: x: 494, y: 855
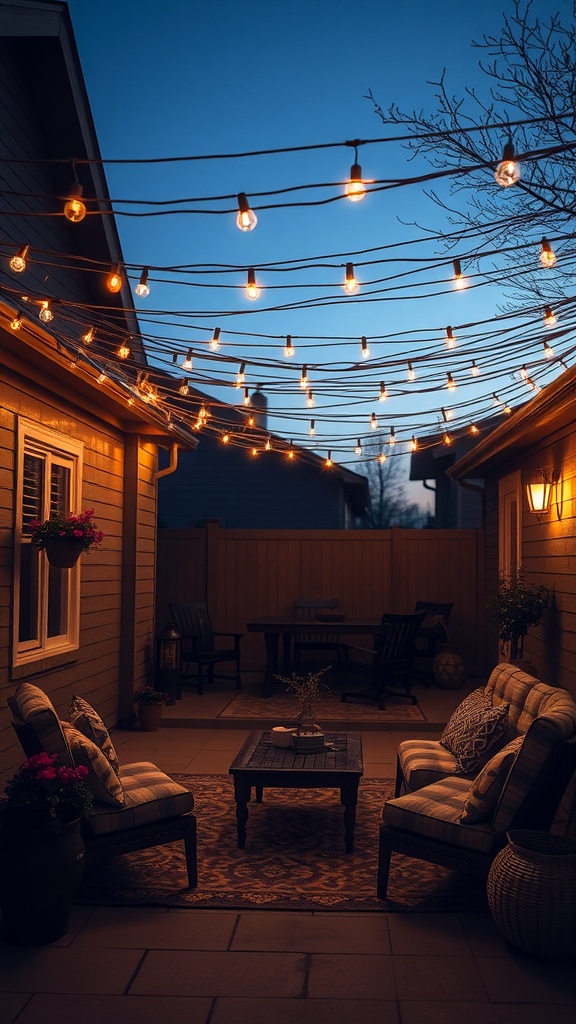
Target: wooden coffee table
x: 261, y: 765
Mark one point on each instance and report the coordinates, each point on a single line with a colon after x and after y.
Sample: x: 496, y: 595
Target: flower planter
x: 63, y: 554
x: 150, y: 715
x: 448, y: 668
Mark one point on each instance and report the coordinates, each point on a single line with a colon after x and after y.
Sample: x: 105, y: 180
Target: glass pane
x: 59, y: 490
x: 32, y: 489
x: 28, y: 625
x: 57, y: 601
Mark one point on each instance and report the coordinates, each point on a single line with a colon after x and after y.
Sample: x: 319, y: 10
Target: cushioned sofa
x: 135, y: 806
x: 456, y: 808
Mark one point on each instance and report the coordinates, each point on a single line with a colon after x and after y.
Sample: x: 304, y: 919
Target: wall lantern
x: 539, y: 492
x: 168, y: 644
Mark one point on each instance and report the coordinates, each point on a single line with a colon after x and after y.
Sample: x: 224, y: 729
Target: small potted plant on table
x: 308, y: 691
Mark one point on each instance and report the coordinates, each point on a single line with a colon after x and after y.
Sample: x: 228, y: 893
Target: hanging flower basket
x: 63, y: 554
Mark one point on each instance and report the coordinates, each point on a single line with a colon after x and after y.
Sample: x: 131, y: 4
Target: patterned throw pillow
x: 475, y: 731
x: 83, y: 717
x: 484, y: 792
x: 102, y: 779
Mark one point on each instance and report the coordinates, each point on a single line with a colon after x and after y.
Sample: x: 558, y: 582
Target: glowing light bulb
x: 446, y: 439
x: 547, y: 257
x: 268, y: 445
x: 383, y: 393
x: 123, y: 351
x: 187, y: 362
x: 374, y: 421
x: 240, y: 376
x: 358, y: 448
x: 413, y: 444
x: 355, y: 187
x: 392, y: 438
x: 290, y: 453
x: 382, y: 458
x: 474, y: 429
x: 16, y: 323
x: 508, y: 170
x: 459, y: 280
x: 351, y: 285
x: 246, y: 219
x: 45, y: 314
x: 548, y: 351
x: 114, y: 280
x: 474, y: 369
x: 18, y: 261
x: 328, y: 462
x: 252, y: 289
x: 74, y: 207
x: 495, y: 399
x: 506, y: 409
x: 101, y: 378
x: 289, y: 349
x: 312, y: 429
x: 142, y: 288
x: 450, y: 382
x: 309, y: 398
x: 450, y: 340
x: 364, y: 348
x: 549, y: 318
x: 88, y: 338
x: 447, y: 414
x: 254, y: 452
x: 246, y: 399
x: 524, y: 372
x: 411, y: 376
x: 225, y: 438
x: 214, y: 343
x: 304, y: 382
x: 184, y: 388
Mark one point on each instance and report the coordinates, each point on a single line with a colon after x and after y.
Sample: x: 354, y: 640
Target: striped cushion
x: 35, y: 708
x: 150, y: 796
x: 83, y: 717
x: 423, y: 762
x: 102, y: 779
x: 483, y: 794
x: 435, y: 812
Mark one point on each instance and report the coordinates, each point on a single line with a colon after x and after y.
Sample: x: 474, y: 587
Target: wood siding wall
x: 243, y: 574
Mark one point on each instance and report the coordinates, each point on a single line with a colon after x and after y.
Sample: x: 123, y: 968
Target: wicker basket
x: 532, y: 893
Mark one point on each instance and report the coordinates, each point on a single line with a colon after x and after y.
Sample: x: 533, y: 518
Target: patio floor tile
x: 314, y: 934
x: 115, y: 1010
x: 262, y: 975
x: 157, y: 928
x: 304, y: 1011
x: 351, y: 977
x: 438, y: 978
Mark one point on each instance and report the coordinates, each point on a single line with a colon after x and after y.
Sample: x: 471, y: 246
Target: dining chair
x: 201, y: 648
x: 304, y: 642
x: 389, y: 662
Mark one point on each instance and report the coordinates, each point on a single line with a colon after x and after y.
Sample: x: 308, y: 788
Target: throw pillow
x: 83, y: 717
x: 483, y: 794
x: 482, y: 740
x: 464, y: 717
x: 102, y: 779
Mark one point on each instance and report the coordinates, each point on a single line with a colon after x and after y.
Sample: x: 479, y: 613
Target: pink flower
x: 47, y: 774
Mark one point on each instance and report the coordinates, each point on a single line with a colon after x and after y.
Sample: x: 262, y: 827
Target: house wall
x: 117, y: 581
x: 243, y: 574
x: 548, y: 555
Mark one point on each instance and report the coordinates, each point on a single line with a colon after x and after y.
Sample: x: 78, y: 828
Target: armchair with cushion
x: 513, y: 762
x: 201, y: 647
x: 135, y: 806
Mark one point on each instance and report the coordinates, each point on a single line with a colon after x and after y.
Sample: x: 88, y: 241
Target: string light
x: 450, y: 340
x: 289, y: 349
x: 411, y: 376
x: 358, y: 448
x: 450, y: 382
x: 355, y: 187
x: 184, y: 388
x: 508, y: 170
x: 290, y: 453
x: 328, y: 463
x: 547, y: 257
x: 88, y: 338
x: 114, y: 279
x: 446, y: 439
x: 548, y: 351
x: 74, y: 207
x: 246, y: 399
x: 225, y: 438
x: 392, y: 438
x: 373, y: 421
x: 18, y: 261
x: 414, y: 444
x: 459, y: 279
x: 45, y: 314
x: 252, y: 289
x: 142, y: 288
x: 240, y: 376
x: 309, y: 398
x: 524, y: 372
x: 268, y: 445
x: 312, y: 429
x: 474, y: 429
x: 351, y: 285
x: 123, y: 351
x: 304, y: 382
x: 246, y: 219
x: 474, y: 369
x: 254, y: 452
x: 383, y: 393
x: 364, y: 348
x: 16, y: 323
x: 187, y: 363
x: 101, y: 378
x: 214, y: 343
x: 506, y: 409
x: 382, y: 458
x: 495, y: 399
x: 549, y: 318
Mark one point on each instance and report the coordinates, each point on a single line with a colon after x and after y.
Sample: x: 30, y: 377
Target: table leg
x: 242, y: 798
x: 271, y: 641
x: 349, y: 798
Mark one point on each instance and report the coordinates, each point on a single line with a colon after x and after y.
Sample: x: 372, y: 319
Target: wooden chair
x: 390, y: 661
x: 434, y: 630
x: 200, y: 644
x: 323, y: 642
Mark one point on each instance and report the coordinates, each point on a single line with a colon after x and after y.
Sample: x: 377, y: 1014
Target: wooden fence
x: 242, y: 574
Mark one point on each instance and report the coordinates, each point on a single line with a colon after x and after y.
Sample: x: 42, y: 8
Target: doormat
x: 294, y: 859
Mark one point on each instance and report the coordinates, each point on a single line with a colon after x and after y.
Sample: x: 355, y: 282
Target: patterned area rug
x: 294, y: 859
x: 283, y: 709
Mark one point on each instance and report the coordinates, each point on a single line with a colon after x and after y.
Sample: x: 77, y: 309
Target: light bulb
x: 246, y: 399
x: 123, y: 351
x: 114, y: 280
x: 16, y: 323
x: 240, y: 376
x: 184, y: 387
x: 328, y: 462
x: 373, y: 421
x: 289, y: 349
x: 547, y: 257
x: 351, y: 285
x: 225, y: 438
x: 74, y: 208
x: 268, y: 445
x: 187, y: 362
x: 382, y: 458
x: 450, y: 340
x: 450, y: 383
x: 549, y: 318
x: 101, y: 378
x: 524, y: 372
x: 358, y: 448
x: 45, y: 314
x: 474, y: 369
x: 548, y: 351
x: 355, y: 188
x: 88, y: 338
x: 304, y: 382
x: 413, y: 444
x: 312, y: 429
x: 383, y: 393
x: 411, y: 374
x: 246, y: 219
x: 18, y: 261
x: 474, y: 429
x: 214, y: 343
x: 392, y: 438
x: 142, y: 288
x: 290, y: 452
x: 254, y: 452
x: 459, y: 279
x: 252, y: 289
x: 508, y: 171
x: 309, y: 398
x: 365, y: 349
x: 447, y: 440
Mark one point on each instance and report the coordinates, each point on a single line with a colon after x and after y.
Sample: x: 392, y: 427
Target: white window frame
x: 36, y: 440
x: 510, y: 522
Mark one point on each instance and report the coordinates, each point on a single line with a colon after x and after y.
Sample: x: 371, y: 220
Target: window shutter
x: 33, y: 486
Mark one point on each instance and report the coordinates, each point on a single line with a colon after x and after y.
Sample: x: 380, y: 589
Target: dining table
x: 286, y: 626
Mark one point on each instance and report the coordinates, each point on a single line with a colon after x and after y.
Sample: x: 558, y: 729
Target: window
x: 47, y: 606
x: 510, y: 522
